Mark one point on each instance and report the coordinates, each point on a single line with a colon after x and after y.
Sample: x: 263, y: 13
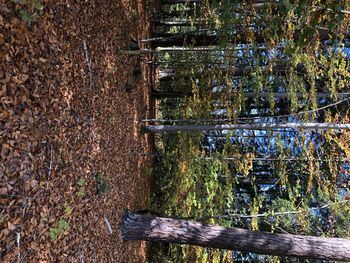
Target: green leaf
x: 63, y: 225
x: 81, y: 193
x: 54, y: 232
x: 68, y: 210
x: 26, y: 16
x: 81, y: 182
x: 101, y: 185
x: 37, y: 5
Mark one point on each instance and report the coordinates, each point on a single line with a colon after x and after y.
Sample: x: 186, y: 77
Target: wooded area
x: 252, y: 131
x: 224, y: 125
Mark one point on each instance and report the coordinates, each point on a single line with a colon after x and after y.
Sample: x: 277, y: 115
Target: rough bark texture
x: 147, y: 227
x: 258, y: 126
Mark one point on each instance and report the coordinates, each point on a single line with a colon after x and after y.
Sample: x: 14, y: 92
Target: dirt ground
x: 71, y: 151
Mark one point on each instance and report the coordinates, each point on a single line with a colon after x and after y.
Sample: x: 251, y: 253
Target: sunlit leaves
x: 293, y: 53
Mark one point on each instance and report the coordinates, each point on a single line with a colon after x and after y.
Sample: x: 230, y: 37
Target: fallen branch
x: 50, y: 164
x: 108, y: 225
x: 18, y: 239
x: 88, y: 62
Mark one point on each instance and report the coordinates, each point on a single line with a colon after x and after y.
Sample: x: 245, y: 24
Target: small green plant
x: 81, y: 193
x: 81, y: 182
x: 26, y: 16
x: 101, y: 184
x: 68, y: 210
x: 147, y: 171
x: 81, y: 188
x: 62, y: 227
x: 111, y: 120
x: 28, y: 9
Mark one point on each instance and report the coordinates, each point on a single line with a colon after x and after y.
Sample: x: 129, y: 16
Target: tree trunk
x: 323, y: 95
x: 234, y: 71
x: 253, y: 126
x: 152, y: 228
x: 262, y: 94
x: 196, y: 40
x: 168, y: 40
x: 180, y: 22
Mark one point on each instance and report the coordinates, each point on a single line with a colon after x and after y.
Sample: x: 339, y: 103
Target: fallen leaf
x: 3, y: 190
x: 43, y: 60
x: 11, y: 226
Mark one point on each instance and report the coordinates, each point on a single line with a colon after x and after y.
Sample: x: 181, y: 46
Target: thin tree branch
x: 270, y: 214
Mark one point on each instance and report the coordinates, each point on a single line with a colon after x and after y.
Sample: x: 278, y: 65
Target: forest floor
x: 71, y: 150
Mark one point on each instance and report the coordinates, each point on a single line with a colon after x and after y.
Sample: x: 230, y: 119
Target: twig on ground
x: 18, y: 239
x: 50, y: 164
x: 108, y: 225
x: 81, y: 253
x: 26, y: 205
x: 88, y: 62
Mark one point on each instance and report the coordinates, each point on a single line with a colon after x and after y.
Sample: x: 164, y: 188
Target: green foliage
x: 81, y: 193
x: 288, y: 221
x: 282, y: 49
x: 68, y: 210
x: 81, y: 182
x: 29, y: 9
x: 101, y: 184
x: 26, y: 16
x: 62, y: 226
x: 147, y: 171
x: 342, y: 221
x: 81, y: 188
x: 54, y: 233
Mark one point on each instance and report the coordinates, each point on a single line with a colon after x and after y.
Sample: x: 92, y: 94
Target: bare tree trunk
x: 216, y: 95
x: 286, y: 95
x: 181, y: 22
x: 151, y: 228
x: 168, y: 40
x: 237, y: 71
x: 252, y: 126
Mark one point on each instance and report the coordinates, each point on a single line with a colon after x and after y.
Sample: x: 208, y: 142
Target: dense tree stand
x: 147, y: 227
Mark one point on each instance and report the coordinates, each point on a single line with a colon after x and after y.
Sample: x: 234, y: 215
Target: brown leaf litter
x: 70, y: 107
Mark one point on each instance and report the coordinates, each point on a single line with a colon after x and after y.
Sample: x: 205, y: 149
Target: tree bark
x: 180, y: 22
x: 216, y: 95
x: 168, y: 40
x: 152, y: 228
x: 237, y: 71
x: 253, y: 126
